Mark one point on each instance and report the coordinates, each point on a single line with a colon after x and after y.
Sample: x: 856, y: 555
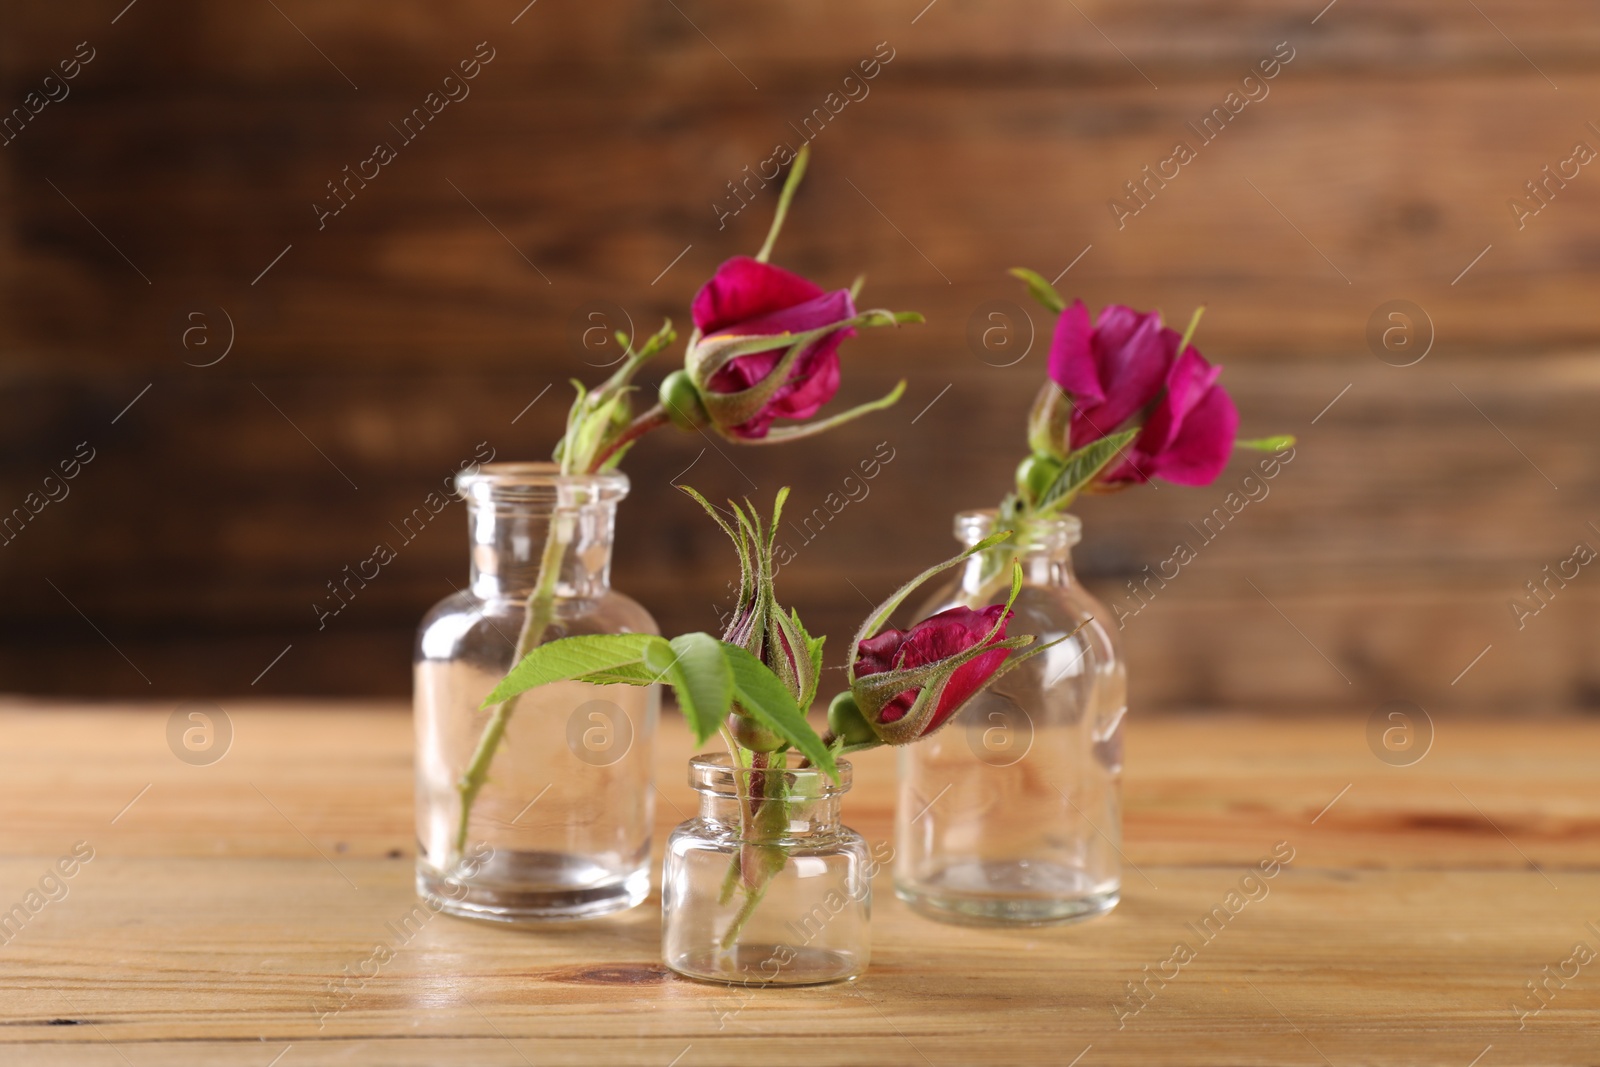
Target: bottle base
x: 766, y: 965
x: 528, y: 888
x: 1016, y: 893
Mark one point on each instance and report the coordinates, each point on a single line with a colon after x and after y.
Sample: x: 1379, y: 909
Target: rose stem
x: 537, y: 618
x: 650, y: 420
x: 753, y: 794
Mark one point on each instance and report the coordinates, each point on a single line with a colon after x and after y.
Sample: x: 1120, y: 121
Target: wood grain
x: 219, y: 905
x: 413, y: 327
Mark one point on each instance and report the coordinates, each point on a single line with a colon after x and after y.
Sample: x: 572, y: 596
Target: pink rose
x: 1126, y: 369
x: 750, y: 299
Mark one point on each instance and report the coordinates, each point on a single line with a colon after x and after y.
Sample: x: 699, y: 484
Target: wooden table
x: 221, y: 901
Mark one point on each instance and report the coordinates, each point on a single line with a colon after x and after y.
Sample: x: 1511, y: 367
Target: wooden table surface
x: 221, y: 901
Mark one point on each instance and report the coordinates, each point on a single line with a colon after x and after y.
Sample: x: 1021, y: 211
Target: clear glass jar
x: 765, y: 887
x: 1013, y: 813
x: 561, y: 826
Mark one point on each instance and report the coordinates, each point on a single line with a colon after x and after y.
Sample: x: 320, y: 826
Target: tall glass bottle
x: 561, y: 826
x: 1013, y: 813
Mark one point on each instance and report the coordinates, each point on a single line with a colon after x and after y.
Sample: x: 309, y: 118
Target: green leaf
x: 1040, y: 289
x: 1268, y: 444
x: 1082, y: 466
x: 626, y: 674
x: 695, y: 668
x: 571, y: 658
x: 763, y: 697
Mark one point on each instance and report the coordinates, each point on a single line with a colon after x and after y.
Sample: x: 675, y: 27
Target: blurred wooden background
x: 177, y: 177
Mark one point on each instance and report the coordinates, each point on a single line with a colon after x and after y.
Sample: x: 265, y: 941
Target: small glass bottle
x: 561, y: 826
x: 1013, y: 813
x: 749, y: 899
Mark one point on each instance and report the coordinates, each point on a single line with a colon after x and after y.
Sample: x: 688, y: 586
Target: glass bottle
x: 561, y: 826
x: 752, y: 899
x: 1013, y: 813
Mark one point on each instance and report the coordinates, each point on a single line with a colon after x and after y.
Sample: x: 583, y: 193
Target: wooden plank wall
x: 177, y: 175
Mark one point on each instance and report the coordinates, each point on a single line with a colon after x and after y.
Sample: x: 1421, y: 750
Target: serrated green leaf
x: 570, y: 658
x: 1040, y: 289
x: 693, y: 664
x: 627, y: 674
x: 1082, y: 466
x: 762, y: 696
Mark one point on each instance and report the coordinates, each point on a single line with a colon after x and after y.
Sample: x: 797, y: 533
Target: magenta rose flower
x: 1127, y: 367
x: 937, y: 638
x: 1112, y: 370
x: 1188, y: 436
x: 747, y: 299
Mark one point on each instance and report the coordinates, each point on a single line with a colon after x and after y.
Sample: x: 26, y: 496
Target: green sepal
x: 747, y: 571
x: 1268, y: 444
x: 874, y: 692
x: 791, y: 184
x: 1050, y: 422
x: 880, y: 615
x: 784, y: 434
x: 709, y: 355
x: 1039, y: 289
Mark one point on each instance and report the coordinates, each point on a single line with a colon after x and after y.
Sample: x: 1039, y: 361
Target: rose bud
x: 1188, y: 436
x: 758, y: 624
x: 908, y: 683
x: 766, y: 347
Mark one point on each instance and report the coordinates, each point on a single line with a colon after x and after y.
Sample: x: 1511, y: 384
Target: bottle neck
x: 756, y: 804
x: 1043, y: 547
x: 813, y: 817
x: 513, y: 513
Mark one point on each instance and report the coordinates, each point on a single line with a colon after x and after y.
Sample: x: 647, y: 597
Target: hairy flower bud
x: 936, y: 666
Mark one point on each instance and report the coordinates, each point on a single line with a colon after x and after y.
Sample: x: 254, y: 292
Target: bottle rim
x: 1055, y: 532
x: 516, y: 482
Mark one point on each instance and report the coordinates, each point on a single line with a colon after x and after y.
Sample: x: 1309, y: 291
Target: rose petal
x: 1204, y: 442
x: 966, y: 681
x: 820, y: 310
x: 745, y: 289
x: 1131, y: 354
x: 1071, y: 362
x: 1187, y: 383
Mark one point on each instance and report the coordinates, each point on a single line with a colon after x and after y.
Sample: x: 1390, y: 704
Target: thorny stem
x: 758, y: 860
x: 535, y: 621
